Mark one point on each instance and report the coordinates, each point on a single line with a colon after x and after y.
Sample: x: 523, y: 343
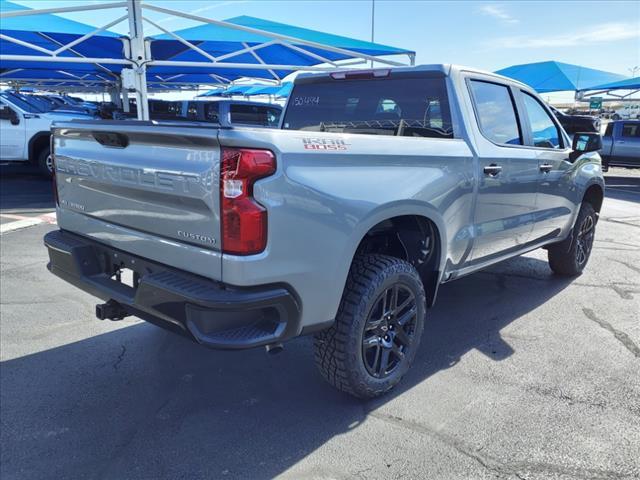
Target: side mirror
x: 584, y: 143
x: 8, y: 113
x: 13, y: 117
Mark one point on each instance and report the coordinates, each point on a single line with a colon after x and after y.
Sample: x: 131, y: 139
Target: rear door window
x: 496, y: 112
x: 631, y: 130
x: 415, y: 106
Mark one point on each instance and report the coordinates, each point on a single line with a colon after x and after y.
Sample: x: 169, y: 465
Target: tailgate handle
x: 111, y: 139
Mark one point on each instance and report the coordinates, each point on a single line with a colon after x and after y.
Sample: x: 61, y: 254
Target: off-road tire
x: 566, y: 258
x: 339, y: 349
x: 44, y: 164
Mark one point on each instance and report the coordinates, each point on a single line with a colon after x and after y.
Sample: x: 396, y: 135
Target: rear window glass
x: 631, y: 130
x: 410, y: 107
x: 265, y: 116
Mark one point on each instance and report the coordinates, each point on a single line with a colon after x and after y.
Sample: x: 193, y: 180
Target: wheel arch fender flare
x: 35, y: 141
x: 391, y: 210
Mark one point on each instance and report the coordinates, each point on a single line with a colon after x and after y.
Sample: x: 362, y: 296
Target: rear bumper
x: 209, y: 312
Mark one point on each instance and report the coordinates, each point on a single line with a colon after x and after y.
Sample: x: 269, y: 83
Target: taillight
x: 244, y: 221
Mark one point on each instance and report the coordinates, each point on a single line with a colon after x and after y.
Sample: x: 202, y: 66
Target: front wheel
x: 377, y: 330
x: 569, y: 257
x: 45, y: 162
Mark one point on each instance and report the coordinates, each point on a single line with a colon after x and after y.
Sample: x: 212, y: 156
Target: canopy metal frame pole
x: 139, y: 57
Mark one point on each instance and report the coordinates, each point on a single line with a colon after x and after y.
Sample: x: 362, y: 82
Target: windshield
x: 42, y: 102
x: 402, y: 106
x: 22, y: 103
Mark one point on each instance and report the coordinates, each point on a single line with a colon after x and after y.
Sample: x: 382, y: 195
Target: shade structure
x: 554, y: 76
x: 216, y: 52
x: 230, y: 44
x: 265, y: 89
x: 215, y: 92
x: 48, y: 32
x: 238, y: 41
x: 281, y: 90
x: 238, y: 89
x: 628, y: 84
x: 285, y: 90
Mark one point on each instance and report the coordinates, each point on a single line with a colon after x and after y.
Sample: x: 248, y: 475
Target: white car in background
x: 630, y: 111
x: 25, y: 126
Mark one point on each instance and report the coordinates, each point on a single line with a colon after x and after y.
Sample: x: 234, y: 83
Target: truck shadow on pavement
x: 143, y: 403
x: 623, y: 187
x: 24, y: 189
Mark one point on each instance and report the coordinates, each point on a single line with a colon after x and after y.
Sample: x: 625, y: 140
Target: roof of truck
x: 444, y: 68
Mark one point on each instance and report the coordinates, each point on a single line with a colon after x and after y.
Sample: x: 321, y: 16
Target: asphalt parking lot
x: 520, y: 375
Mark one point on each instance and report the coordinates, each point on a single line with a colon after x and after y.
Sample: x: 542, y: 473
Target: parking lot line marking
x: 20, y: 224
x: 23, y: 221
x: 14, y: 216
x: 50, y: 218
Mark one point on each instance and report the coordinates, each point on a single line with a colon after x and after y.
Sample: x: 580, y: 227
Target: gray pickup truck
x: 378, y: 186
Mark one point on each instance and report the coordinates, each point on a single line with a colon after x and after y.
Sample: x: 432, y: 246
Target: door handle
x: 546, y: 167
x: 492, y: 170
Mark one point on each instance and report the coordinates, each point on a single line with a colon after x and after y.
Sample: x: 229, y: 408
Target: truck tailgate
x: 144, y: 188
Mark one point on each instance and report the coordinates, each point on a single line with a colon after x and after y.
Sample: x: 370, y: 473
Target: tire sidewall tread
x: 562, y: 256
x: 338, y: 350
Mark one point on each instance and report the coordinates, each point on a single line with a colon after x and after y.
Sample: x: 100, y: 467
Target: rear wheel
x: 377, y: 330
x: 45, y: 162
x: 571, y: 256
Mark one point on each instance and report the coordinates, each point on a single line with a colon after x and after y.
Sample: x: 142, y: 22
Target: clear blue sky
x: 483, y: 34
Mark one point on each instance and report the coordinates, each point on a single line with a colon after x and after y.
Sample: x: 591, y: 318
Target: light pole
x: 633, y: 70
x: 373, y: 19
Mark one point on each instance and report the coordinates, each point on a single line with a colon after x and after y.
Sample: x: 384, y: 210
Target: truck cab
x: 25, y: 125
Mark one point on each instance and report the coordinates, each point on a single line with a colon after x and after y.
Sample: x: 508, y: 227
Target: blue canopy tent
x: 238, y: 89
x: 44, y: 34
x: 628, y: 84
x: 215, y: 92
x: 282, y: 90
x: 264, y: 90
x: 553, y: 76
x: 36, y: 44
x: 285, y: 90
x: 236, y: 41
